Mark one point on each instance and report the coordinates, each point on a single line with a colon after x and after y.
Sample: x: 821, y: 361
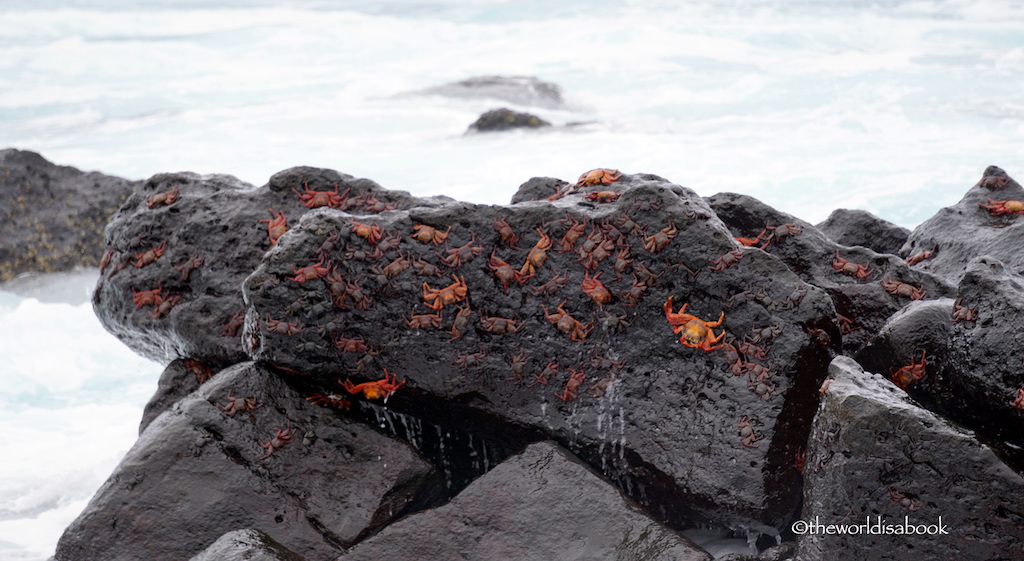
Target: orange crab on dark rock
x: 426, y: 234
x: 1003, y: 207
x: 602, y: 196
x: 437, y: 298
x: 378, y: 389
x: 598, y: 176
x: 902, y: 288
x: 694, y: 332
x: 595, y: 289
x: 910, y: 373
x: 573, y: 328
x: 315, y: 199
x: 847, y: 267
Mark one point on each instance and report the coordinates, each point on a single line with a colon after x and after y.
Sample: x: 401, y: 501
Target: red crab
x: 846, y: 267
x: 906, y: 502
x: 423, y: 321
x: 655, y: 243
x: 146, y: 297
x: 310, y: 272
x: 470, y: 360
x: 164, y: 198
x: 499, y: 325
x: 921, y: 256
x: 748, y: 437
x: 536, y: 257
x: 280, y: 438
x: 542, y: 377
x: 163, y: 306
x: 189, y: 266
x: 369, y: 232
x: 425, y: 234
x: 573, y: 328
x: 146, y: 257
x: 240, y: 404
x: 506, y: 273
x: 574, y: 230
x: 394, y: 268
x: 1018, y: 402
x: 598, y: 176
x: 726, y: 260
x: 1003, y: 207
x: 595, y: 290
x: 508, y: 236
x: 315, y: 199
x: 463, y: 254
x: 902, y: 288
x: 779, y: 232
x: 910, y: 373
x: 572, y: 386
x: 352, y: 345
x: 283, y: 327
x: 382, y: 388
x: 276, y: 227
x: 460, y: 323
x: 696, y: 333
x: 437, y: 298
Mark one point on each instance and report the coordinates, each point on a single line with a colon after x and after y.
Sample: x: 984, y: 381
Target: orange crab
x: 847, y: 267
x: 1003, y: 207
x: 572, y: 385
x: 310, y: 272
x: 382, y: 388
x: 437, y: 298
x: 536, y: 257
x: 276, y: 227
x: 595, y: 290
x: 573, y: 328
x: 165, y: 198
x: 602, y: 196
x: 696, y: 333
x: 505, y: 273
x: 370, y: 232
x: 1018, y: 402
x: 146, y: 257
x: 313, y: 199
x: 425, y: 234
x: 902, y: 288
x: 423, y: 321
x: 598, y: 176
x: 508, y: 235
x: 910, y: 373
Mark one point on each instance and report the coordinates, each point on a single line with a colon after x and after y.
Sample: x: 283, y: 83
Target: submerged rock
x: 505, y: 119
x: 931, y: 490
x: 541, y: 504
x: 53, y: 216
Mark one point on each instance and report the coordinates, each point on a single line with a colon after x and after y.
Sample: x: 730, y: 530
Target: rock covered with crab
x: 675, y: 345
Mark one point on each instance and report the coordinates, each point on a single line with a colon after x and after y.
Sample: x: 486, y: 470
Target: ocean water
x: 894, y: 106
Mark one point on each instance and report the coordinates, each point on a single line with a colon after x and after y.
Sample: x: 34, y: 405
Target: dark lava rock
x: 860, y: 227
x: 520, y: 90
x: 202, y: 469
x: 973, y: 368
x: 246, y: 545
x: 539, y: 189
x: 959, y: 233
x: 863, y: 304
x: 539, y: 505
x: 874, y: 457
x: 603, y: 375
x: 171, y: 284
x: 53, y: 216
x: 505, y: 119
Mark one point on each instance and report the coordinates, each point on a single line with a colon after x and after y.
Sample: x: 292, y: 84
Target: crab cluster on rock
x: 674, y: 347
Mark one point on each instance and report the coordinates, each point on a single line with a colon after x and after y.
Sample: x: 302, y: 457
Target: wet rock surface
x: 866, y: 287
x: 504, y: 119
x: 538, y: 505
x: 246, y: 451
x: 959, y: 233
x: 860, y: 227
x: 53, y: 216
x: 471, y: 331
x: 875, y: 457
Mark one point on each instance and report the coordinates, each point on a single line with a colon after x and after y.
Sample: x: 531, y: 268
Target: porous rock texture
x: 866, y: 287
x: 604, y: 376
x: 538, y: 505
x: 959, y: 233
x: 876, y: 457
x: 53, y: 216
x: 487, y: 328
x: 860, y: 227
x: 201, y: 469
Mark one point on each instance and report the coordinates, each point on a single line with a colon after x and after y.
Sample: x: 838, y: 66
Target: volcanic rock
x: 504, y: 119
x: 863, y: 304
x: 959, y: 233
x: 192, y: 252
x: 520, y: 90
x: 221, y: 459
x: 860, y: 227
x: 973, y: 373
x: 53, y: 216
x: 539, y: 505
x: 695, y: 435
x: 874, y: 457
x: 246, y: 545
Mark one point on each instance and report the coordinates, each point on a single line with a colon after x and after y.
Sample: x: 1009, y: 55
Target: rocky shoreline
x: 354, y: 372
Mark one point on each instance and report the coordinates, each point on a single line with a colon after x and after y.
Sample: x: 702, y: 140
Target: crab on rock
x: 375, y: 390
x: 1003, y: 207
x: 696, y: 333
x: 847, y: 267
x: 598, y: 176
